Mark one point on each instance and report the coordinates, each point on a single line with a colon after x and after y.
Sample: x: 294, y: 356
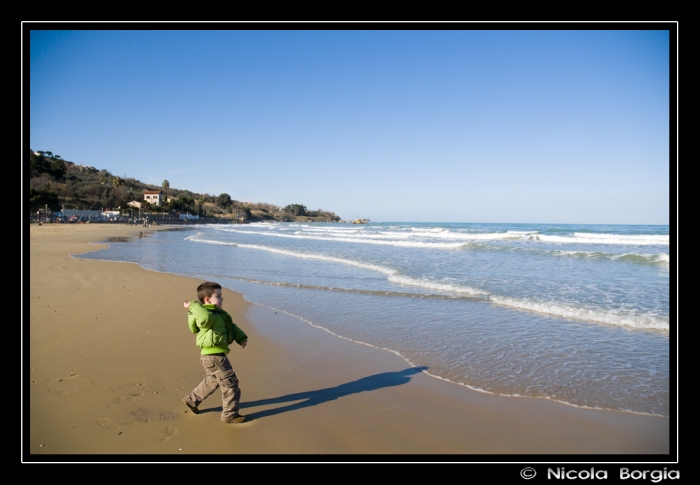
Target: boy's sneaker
x: 235, y: 420
x: 190, y: 406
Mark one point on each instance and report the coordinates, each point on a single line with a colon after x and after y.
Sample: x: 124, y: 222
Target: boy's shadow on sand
x: 313, y: 398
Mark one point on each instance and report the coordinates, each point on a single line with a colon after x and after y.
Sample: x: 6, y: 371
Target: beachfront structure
x: 111, y: 214
x: 152, y: 197
x: 79, y: 213
x: 134, y: 204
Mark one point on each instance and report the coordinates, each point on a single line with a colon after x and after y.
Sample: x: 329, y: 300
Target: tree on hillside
x: 223, y: 200
x: 38, y: 164
x: 184, y: 204
x: 296, y: 209
x: 39, y: 199
x: 58, y: 169
x: 107, y: 197
x: 165, y: 184
x: 200, y: 204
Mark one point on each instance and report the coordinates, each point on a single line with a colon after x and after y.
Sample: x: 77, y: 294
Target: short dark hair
x: 206, y: 289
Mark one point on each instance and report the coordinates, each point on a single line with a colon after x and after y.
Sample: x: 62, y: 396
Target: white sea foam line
x: 358, y: 234
x: 644, y: 322
x: 388, y: 238
x: 381, y: 234
x: 392, y: 274
x: 548, y: 308
x: 360, y: 241
x: 443, y: 233
x: 340, y: 230
x: 320, y: 257
x: 435, y: 376
x: 577, y: 253
x: 660, y: 238
x: 195, y: 237
x: 462, y: 236
x: 395, y: 352
x: 434, y: 285
x: 433, y: 230
x: 580, y: 238
x: 338, y: 237
x: 651, y: 258
x: 583, y: 238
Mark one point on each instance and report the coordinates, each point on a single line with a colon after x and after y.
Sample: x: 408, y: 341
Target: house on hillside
x: 152, y: 197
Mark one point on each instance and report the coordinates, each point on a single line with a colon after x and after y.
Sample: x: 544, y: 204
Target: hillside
x: 59, y: 183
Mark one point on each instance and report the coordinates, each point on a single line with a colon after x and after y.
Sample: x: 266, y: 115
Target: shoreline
x: 100, y: 384
x: 448, y: 381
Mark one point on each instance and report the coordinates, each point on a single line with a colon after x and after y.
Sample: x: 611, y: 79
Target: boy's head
x: 210, y: 292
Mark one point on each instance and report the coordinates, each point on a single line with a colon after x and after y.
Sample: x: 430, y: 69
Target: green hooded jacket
x: 214, y: 328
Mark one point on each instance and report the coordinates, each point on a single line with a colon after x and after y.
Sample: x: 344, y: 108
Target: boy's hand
x: 186, y: 304
x: 244, y: 344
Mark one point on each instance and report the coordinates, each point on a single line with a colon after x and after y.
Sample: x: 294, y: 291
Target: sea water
x: 578, y: 314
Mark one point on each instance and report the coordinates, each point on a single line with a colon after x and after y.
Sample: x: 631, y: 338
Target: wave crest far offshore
x: 437, y: 237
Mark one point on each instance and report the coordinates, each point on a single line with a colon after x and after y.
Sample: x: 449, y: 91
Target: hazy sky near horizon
x: 395, y: 125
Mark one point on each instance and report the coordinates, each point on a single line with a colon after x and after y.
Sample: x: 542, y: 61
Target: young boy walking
x: 215, y: 330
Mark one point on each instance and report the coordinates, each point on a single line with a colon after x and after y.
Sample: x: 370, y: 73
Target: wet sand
x: 108, y: 358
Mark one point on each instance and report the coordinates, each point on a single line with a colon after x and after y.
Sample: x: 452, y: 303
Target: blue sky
x: 396, y: 125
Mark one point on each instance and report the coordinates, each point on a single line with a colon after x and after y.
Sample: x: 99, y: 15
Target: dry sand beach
x: 110, y: 358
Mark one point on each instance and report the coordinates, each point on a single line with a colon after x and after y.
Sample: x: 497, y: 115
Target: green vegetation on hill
x: 59, y: 183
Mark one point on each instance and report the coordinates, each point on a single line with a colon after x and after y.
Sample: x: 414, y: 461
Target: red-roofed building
x: 152, y: 197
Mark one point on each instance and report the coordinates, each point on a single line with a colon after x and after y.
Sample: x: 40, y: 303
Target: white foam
x: 660, y: 258
x: 320, y: 257
x: 588, y: 238
x: 338, y: 230
x: 634, y: 320
x: 195, y: 238
x: 364, y: 240
x: 444, y: 379
x: 435, y: 285
x: 393, y: 274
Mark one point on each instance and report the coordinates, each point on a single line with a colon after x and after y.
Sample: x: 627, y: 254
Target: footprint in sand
x: 169, y: 431
x: 59, y: 379
x: 120, y: 400
x: 141, y: 415
x: 105, y: 422
x: 59, y: 392
x: 167, y: 416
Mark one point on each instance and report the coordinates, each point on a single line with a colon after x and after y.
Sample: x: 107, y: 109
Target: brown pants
x: 220, y: 374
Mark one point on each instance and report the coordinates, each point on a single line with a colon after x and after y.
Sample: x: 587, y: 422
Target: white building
x: 152, y: 197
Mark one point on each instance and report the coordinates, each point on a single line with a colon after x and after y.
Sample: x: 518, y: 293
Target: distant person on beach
x: 215, y: 330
